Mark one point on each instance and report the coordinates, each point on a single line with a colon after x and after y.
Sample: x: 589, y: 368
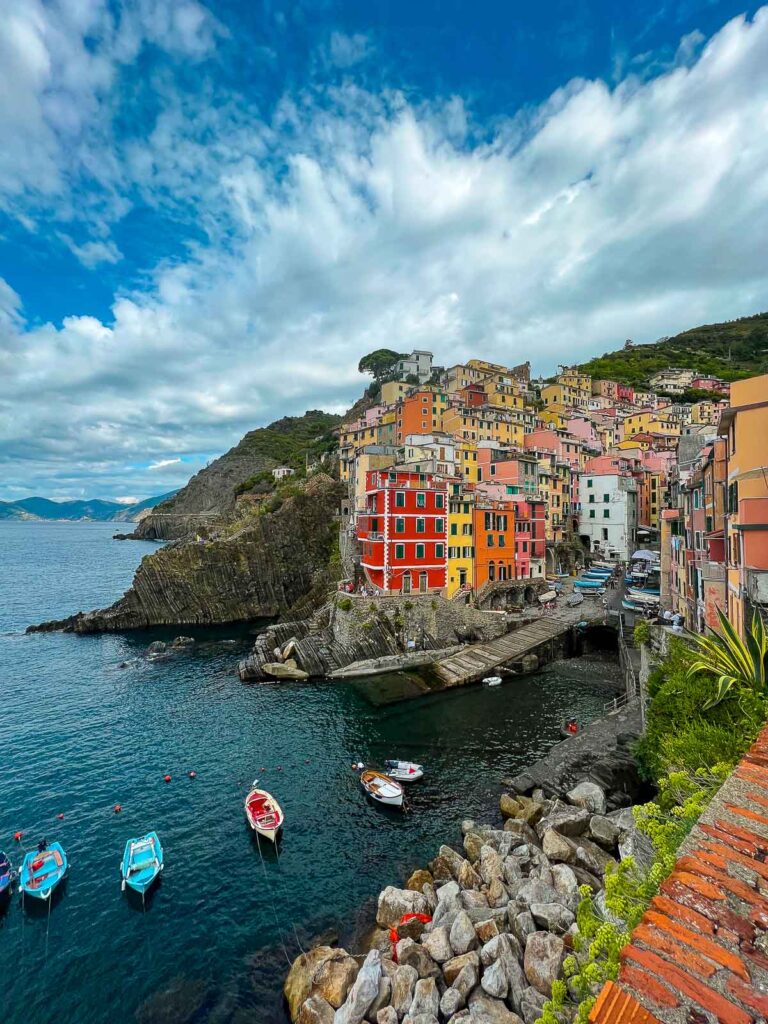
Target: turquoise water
x: 79, y: 733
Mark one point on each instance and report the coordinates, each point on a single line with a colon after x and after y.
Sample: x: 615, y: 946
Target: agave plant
x: 738, y: 663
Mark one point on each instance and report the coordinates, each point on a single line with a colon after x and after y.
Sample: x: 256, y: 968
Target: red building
x: 404, y: 531
x: 530, y: 537
x: 625, y: 392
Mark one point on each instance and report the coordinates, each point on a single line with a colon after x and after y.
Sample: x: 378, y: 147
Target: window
x: 589, y: 483
x: 468, y: 552
x: 493, y: 470
x: 439, y: 551
x: 420, y: 525
x: 606, y: 513
x: 454, y: 529
x: 399, y: 550
x: 605, y: 534
x: 467, y: 529
x: 591, y: 499
x: 421, y: 499
x: 393, y: 477
x: 439, y: 502
x: 419, y: 550
x: 399, y: 526
x: 399, y: 499
x: 591, y: 513
x: 525, y: 545
x: 606, y: 497
x: 374, y: 525
x: 439, y: 525
x: 502, y: 541
x: 490, y: 540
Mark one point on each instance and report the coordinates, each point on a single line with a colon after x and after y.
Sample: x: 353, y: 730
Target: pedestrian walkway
x: 700, y: 953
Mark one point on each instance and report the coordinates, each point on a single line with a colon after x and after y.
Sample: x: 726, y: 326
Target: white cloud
x: 126, y: 499
x: 344, y: 51
x: 351, y: 220
x: 93, y: 254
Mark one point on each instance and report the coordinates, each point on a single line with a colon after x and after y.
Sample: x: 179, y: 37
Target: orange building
x: 745, y: 426
x: 493, y: 529
x: 419, y: 413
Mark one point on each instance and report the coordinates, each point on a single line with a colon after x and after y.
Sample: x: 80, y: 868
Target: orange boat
x: 264, y: 813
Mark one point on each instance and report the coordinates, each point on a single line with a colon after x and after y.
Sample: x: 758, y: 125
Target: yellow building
x: 467, y: 462
x: 391, y: 390
x: 461, y: 551
x: 555, y: 416
x: 387, y: 428
x: 650, y: 421
x: 707, y: 412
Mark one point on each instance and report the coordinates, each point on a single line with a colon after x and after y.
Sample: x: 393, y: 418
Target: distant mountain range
x: 89, y: 510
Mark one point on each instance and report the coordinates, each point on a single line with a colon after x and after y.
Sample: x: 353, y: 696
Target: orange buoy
x: 118, y: 808
x: 192, y: 775
x: 60, y: 817
x: 17, y: 836
x: 166, y: 778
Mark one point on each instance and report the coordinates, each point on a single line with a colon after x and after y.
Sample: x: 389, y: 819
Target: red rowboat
x: 264, y: 813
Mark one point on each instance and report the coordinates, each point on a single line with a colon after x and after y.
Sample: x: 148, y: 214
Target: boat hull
x: 6, y: 875
x: 142, y: 863
x: 381, y: 788
x: 264, y: 814
x: 41, y: 871
x: 403, y: 771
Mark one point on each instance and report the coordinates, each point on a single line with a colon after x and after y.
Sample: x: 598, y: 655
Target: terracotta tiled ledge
x: 700, y: 953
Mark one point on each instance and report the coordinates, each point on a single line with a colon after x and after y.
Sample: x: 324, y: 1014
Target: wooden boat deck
x: 472, y: 663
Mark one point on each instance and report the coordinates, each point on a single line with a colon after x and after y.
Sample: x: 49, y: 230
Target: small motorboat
x: 492, y: 681
x: 585, y: 584
x: 142, y: 862
x: 42, y: 870
x: 403, y: 771
x: 264, y: 813
x: 381, y: 788
x: 6, y: 875
x: 575, y: 600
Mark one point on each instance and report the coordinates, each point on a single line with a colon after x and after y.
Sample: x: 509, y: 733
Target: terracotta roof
x: 700, y: 953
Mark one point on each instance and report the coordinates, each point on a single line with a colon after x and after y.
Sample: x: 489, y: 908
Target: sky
x: 209, y: 213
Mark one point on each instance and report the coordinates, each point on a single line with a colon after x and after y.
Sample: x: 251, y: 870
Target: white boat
x: 381, y: 788
x: 492, y: 681
x: 264, y: 813
x: 403, y: 771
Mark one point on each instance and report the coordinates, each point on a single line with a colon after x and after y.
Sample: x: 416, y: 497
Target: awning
x: 549, y: 596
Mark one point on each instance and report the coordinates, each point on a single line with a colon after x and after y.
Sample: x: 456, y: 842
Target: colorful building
x: 421, y: 412
x: 403, y: 532
x: 461, y: 551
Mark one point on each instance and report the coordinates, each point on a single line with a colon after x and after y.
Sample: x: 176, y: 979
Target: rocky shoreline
x: 480, y: 935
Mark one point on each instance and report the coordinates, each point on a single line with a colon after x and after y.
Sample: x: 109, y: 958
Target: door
x: 406, y: 583
x: 462, y: 577
x: 423, y: 582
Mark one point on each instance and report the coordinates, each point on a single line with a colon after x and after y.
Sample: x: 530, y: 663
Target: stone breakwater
x: 491, y: 925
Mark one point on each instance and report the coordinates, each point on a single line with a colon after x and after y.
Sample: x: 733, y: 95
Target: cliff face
x: 210, y: 496
x: 260, y: 566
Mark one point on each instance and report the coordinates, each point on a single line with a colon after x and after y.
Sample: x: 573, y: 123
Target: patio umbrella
x: 643, y: 553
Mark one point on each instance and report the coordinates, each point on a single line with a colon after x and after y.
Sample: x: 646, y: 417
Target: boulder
x: 403, y: 984
x: 543, y: 960
x: 563, y: 879
x: 531, y: 809
x: 379, y: 939
x: 589, y: 796
x: 421, y: 1018
x: 557, y: 847
x: 521, y: 830
x: 411, y: 929
x: 486, y: 930
x: 473, y: 844
x: 592, y: 857
x: 509, y: 806
x: 462, y: 935
x: 464, y: 982
x: 584, y: 877
x: 419, y: 879
x: 472, y: 898
x: 315, y: 1010
x: 438, y: 945
x: 552, y: 916
x: 440, y: 868
x: 491, y: 865
x: 533, y: 891
x: 456, y: 964
x: 430, y: 895
x: 283, y: 670
x: 522, y: 924
x: 500, y: 946
x: 531, y: 1005
x: 568, y: 821
x: 395, y: 903
x: 467, y: 877
x: 494, y: 980
x: 334, y: 979
x: 497, y: 914
x: 497, y: 894
x: 387, y: 1015
x: 298, y: 984
x: 623, y: 819
x: 182, y: 641
x: 425, y: 998
x: 413, y: 954
x: 462, y: 1017
x: 452, y: 859
x: 512, y: 869
x: 383, y: 997
x: 363, y: 991
x: 637, y: 845
x: 603, y: 831
x: 484, y: 1009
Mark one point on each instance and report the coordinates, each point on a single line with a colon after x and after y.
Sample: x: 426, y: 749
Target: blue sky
x: 208, y: 213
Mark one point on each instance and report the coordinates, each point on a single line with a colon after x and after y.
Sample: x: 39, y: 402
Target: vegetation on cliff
x: 732, y: 350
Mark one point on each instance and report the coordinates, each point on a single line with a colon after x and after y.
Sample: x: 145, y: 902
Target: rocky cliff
x: 211, y: 495
x: 260, y: 565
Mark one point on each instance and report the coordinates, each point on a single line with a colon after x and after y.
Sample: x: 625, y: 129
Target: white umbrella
x: 643, y: 553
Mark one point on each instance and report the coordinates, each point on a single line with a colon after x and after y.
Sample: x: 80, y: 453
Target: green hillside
x: 736, y: 349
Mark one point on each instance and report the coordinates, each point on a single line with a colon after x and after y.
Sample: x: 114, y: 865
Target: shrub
x: 642, y: 633
x: 344, y: 603
x: 408, y: 605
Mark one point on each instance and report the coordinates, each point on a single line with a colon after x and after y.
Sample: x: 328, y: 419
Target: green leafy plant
x: 343, y: 603
x: 739, y: 663
x: 641, y: 633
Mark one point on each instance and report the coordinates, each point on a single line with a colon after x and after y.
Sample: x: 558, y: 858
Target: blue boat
x: 42, y: 870
x: 142, y: 862
x: 593, y: 574
x: 589, y: 584
x: 6, y: 874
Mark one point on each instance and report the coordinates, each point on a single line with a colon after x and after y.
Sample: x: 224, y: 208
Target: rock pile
x: 479, y: 936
